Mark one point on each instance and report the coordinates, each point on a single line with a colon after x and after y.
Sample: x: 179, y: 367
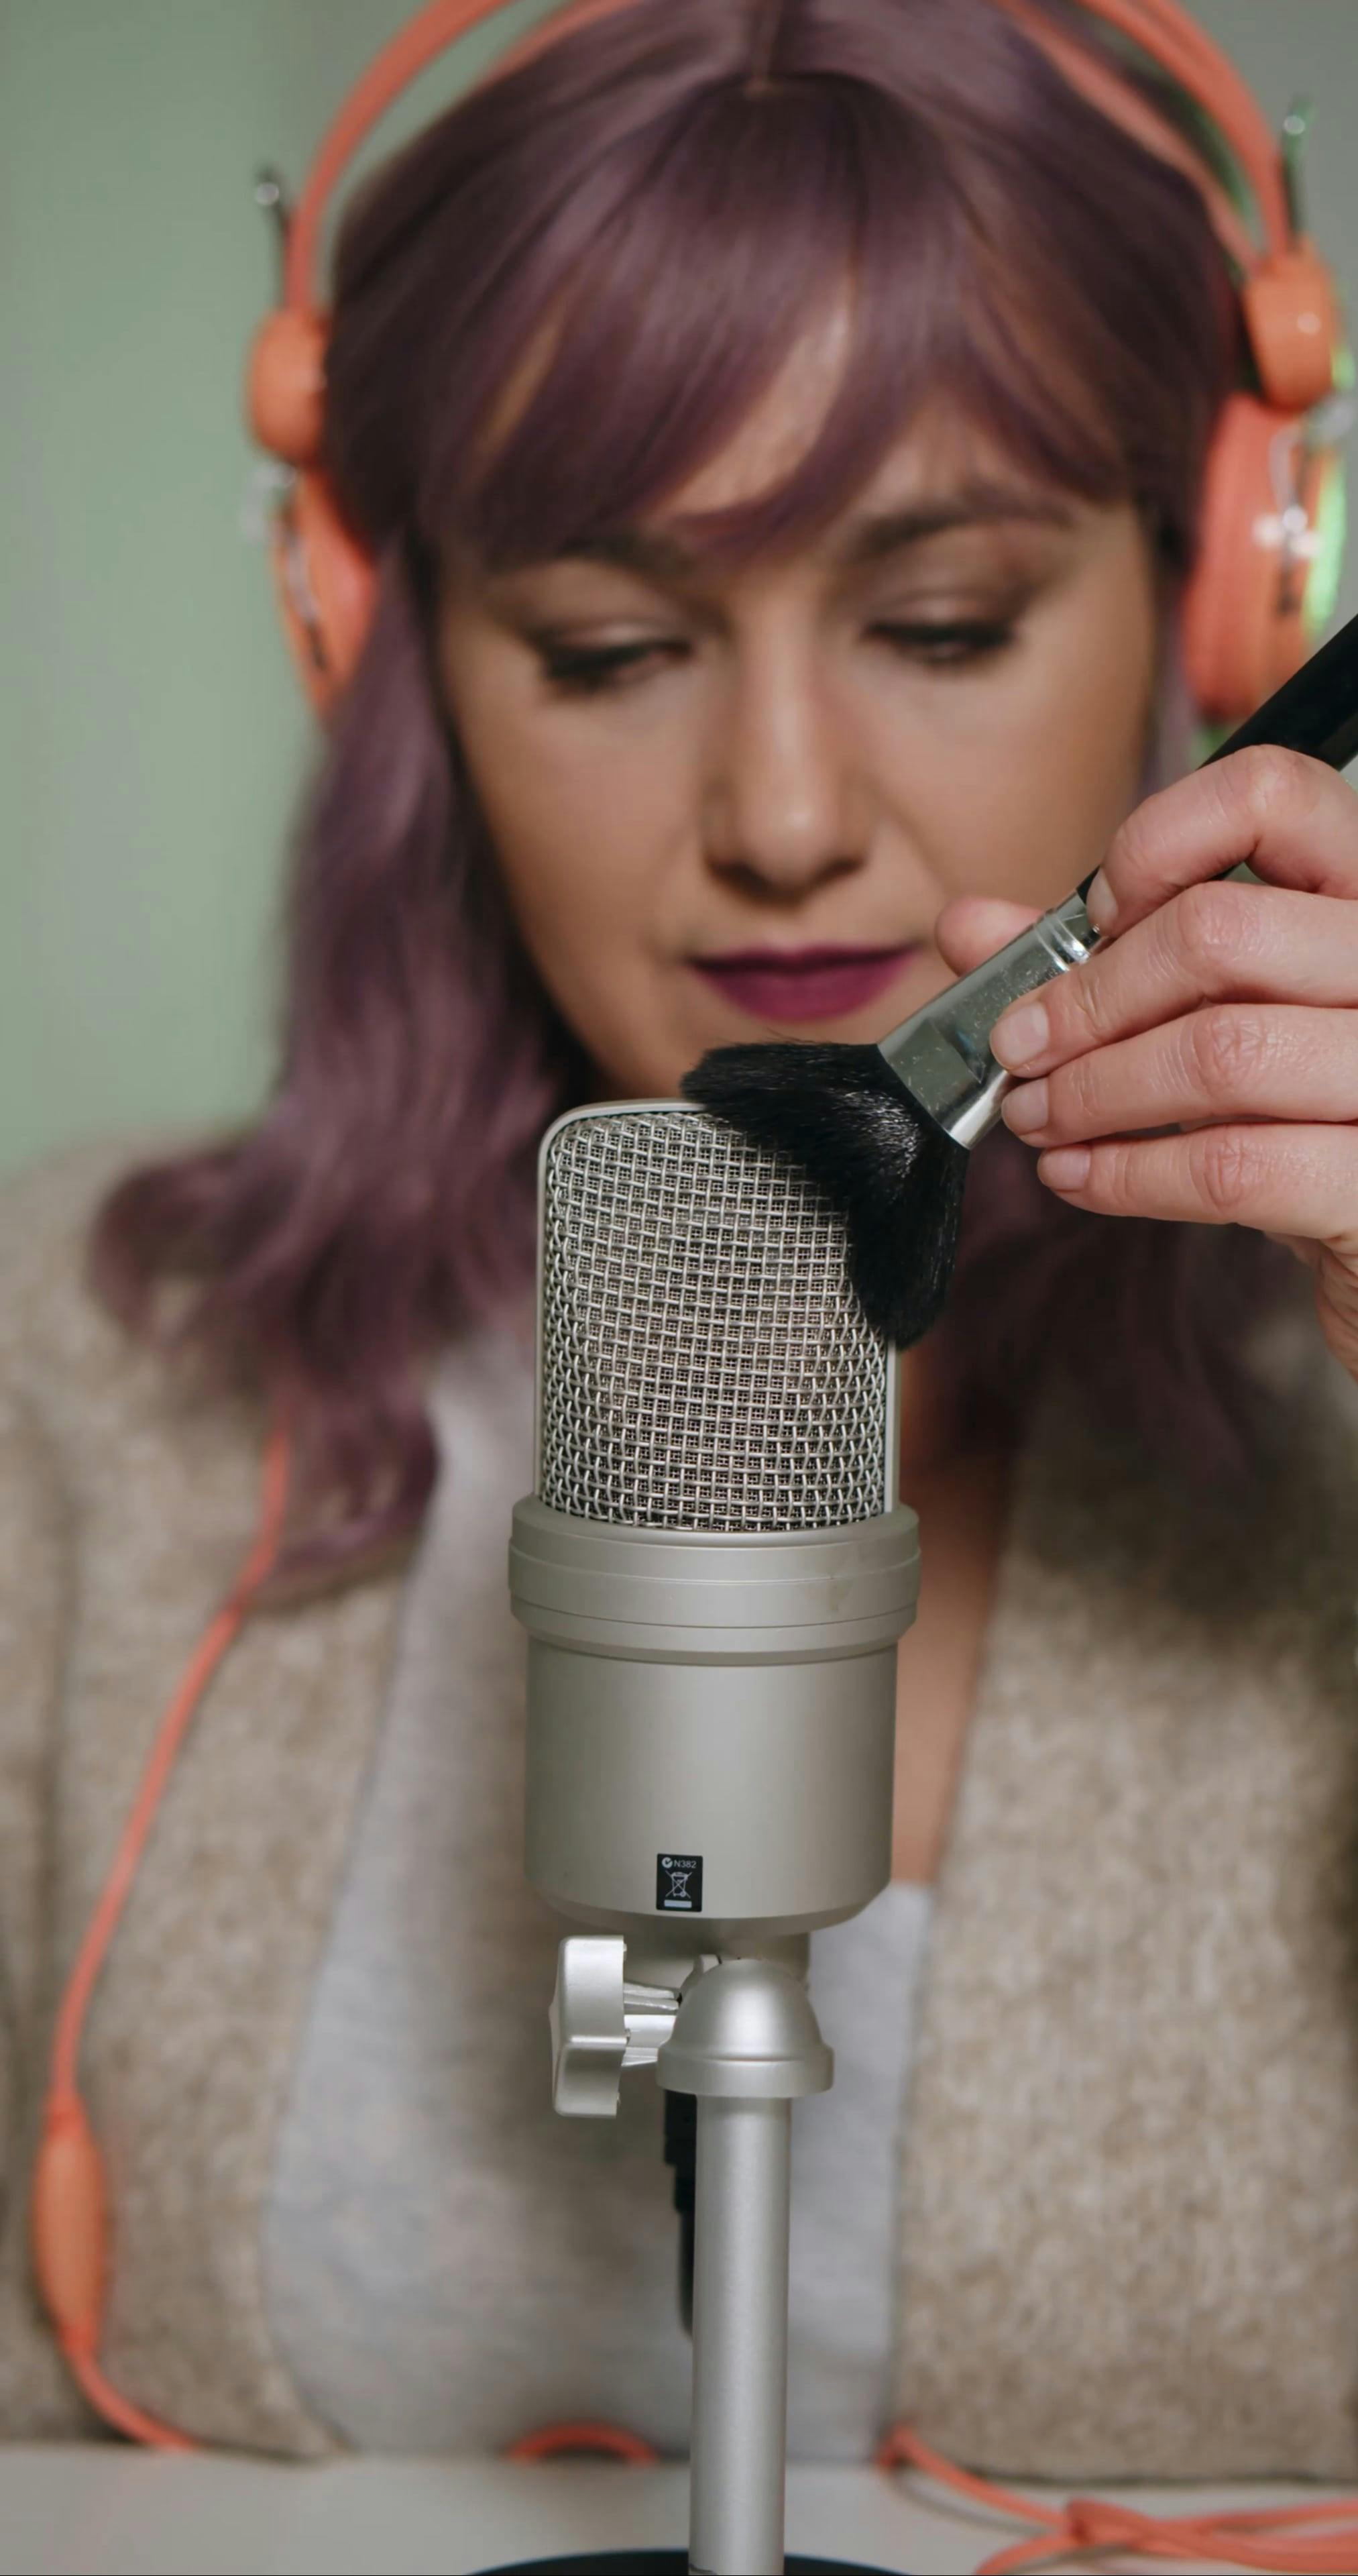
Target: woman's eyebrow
x: 660, y: 556
x: 983, y: 505
x: 643, y: 550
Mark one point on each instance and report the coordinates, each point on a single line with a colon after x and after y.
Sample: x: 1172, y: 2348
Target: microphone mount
x: 601, y: 2025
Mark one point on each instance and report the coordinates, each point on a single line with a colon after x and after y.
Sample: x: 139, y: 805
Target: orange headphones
x: 1271, y: 522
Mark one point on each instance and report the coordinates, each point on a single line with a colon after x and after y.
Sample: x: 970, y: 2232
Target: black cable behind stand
x: 681, y: 2152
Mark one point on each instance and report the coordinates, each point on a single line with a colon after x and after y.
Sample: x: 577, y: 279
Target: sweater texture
x: 1127, y: 2214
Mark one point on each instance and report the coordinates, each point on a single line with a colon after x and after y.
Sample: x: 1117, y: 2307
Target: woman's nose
x: 785, y: 806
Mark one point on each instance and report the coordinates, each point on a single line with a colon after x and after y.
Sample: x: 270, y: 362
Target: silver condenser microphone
x: 714, y: 1572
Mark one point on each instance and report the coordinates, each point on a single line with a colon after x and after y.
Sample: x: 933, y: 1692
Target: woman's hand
x: 1227, y: 1013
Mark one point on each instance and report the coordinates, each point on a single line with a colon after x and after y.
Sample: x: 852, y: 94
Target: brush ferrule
x: 942, y: 1053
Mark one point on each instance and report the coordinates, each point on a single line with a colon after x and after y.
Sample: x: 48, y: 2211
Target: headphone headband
x: 1161, y: 29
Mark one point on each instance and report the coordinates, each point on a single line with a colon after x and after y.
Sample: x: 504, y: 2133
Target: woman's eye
x: 947, y: 642
x: 582, y: 670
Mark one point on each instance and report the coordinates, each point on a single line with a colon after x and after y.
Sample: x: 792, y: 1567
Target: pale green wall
x: 150, y: 739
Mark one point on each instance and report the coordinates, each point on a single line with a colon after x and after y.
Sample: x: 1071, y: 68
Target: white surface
x: 103, y: 2510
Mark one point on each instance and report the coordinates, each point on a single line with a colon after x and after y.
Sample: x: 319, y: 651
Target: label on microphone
x: 678, y: 1882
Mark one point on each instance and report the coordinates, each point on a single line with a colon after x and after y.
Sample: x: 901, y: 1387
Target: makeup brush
x: 886, y: 1131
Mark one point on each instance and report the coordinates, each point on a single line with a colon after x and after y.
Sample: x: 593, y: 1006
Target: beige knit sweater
x: 1129, y: 2199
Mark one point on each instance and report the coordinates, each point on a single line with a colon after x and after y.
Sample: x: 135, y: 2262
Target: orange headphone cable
x: 560, y: 2441
x: 69, y: 2204
x: 1260, y: 2537
x: 68, y: 2217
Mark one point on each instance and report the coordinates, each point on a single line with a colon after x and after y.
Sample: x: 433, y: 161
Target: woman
x: 781, y: 431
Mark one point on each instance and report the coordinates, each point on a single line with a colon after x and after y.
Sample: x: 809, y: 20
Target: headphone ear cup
x: 326, y: 584
x: 1294, y: 326
x: 1243, y: 628
x: 285, y: 385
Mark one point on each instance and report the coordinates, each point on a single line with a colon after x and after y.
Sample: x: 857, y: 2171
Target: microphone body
x: 711, y: 1724
x: 714, y: 1570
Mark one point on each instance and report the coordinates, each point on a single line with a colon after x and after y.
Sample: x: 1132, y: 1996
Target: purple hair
x: 659, y: 207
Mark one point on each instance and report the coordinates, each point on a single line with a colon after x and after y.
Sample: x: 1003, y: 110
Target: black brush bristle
x: 892, y: 1174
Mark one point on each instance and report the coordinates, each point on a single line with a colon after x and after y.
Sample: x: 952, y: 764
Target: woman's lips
x: 805, y: 983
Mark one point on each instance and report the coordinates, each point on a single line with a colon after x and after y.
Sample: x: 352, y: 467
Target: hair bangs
x: 736, y: 229
x: 727, y: 238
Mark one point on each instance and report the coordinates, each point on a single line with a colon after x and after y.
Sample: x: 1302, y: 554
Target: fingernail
x: 1020, y: 1036
x: 1101, y: 903
x: 1066, y: 1167
x: 1025, y: 1110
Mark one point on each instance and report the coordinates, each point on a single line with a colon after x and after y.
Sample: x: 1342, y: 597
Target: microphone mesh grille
x: 703, y: 1361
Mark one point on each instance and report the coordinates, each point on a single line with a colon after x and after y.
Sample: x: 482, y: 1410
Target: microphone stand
x: 747, y: 2044
x: 740, y: 2037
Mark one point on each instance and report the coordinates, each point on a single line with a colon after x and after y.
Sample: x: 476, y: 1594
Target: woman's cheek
x: 586, y: 806
x: 570, y: 853
x: 574, y: 920
x: 581, y: 898
x: 1029, y: 805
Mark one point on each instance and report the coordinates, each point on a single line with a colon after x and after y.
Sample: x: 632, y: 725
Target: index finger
x: 1214, y: 943
x: 1292, y: 819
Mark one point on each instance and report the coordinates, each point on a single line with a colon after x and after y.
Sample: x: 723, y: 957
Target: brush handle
x: 1316, y: 711
x: 942, y: 1053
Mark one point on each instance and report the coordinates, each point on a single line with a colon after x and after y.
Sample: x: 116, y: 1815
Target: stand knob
x: 600, y: 2025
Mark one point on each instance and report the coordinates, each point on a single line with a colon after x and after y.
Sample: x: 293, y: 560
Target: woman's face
x: 730, y: 803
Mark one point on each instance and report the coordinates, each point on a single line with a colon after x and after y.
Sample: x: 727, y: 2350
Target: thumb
x: 975, y: 926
